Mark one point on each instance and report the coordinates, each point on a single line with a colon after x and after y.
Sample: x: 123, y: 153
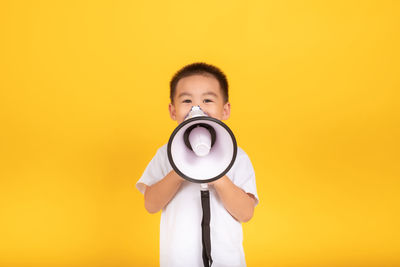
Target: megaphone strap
x: 205, y: 227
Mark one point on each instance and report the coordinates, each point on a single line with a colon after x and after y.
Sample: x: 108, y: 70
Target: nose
x: 197, y: 102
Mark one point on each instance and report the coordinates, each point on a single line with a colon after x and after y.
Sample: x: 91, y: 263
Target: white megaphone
x: 201, y: 149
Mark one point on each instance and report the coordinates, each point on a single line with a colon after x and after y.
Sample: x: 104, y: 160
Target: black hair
x: 201, y: 69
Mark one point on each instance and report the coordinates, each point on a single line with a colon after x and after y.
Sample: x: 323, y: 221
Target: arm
x: 159, y: 194
x: 238, y: 203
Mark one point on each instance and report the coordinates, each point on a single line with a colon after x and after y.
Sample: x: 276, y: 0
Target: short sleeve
x: 157, y: 169
x: 242, y: 174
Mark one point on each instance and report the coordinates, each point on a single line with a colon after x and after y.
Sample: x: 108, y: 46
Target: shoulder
x: 160, y: 160
x: 242, y: 164
x: 241, y: 152
x: 162, y: 152
x: 156, y: 169
x: 242, y: 155
x: 242, y: 173
x: 162, y: 149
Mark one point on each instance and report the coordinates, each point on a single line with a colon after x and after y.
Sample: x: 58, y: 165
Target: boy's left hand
x: 237, y: 202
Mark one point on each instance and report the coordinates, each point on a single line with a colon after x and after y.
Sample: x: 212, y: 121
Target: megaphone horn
x: 201, y: 149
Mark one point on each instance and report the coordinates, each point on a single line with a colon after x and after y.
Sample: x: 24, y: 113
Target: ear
x: 226, y: 113
x: 172, y: 111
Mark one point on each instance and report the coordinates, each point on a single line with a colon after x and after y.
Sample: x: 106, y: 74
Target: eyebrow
x: 183, y: 94
x: 211, y: 93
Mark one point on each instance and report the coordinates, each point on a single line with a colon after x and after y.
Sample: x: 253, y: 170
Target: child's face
x: 199, y: 90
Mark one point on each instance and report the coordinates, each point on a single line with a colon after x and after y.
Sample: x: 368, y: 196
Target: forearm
x: 159, y: 194
x: 238, y: 203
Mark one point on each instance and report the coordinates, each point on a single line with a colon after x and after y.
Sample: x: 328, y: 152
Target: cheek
x: 215, y: 113
x: 181, y: 113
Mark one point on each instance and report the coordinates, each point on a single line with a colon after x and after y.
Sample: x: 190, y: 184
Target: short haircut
x: 200, y: 68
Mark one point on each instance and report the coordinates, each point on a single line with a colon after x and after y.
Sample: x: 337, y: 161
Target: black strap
x: 205, y: 227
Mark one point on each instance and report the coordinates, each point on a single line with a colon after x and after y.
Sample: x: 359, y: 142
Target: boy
x: 232, y: 197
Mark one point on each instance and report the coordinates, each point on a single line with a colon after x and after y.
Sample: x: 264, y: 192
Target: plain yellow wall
x: 84, y: 107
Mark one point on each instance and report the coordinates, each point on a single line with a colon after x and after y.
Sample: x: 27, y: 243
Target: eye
x: 187, y: 101
x: 207, y: 101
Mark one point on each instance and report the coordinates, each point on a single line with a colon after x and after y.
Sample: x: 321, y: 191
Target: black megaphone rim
x: 171, y: 160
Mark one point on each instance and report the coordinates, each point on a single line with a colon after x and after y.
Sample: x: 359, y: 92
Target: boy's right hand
x: 157, y: 196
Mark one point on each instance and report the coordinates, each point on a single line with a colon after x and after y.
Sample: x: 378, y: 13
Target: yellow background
x: 83, y: 108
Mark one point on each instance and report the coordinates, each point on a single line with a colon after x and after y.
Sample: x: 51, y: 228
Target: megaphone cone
x: 202, y: 149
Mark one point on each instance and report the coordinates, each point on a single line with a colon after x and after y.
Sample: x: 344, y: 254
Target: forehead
x: 198, y: 84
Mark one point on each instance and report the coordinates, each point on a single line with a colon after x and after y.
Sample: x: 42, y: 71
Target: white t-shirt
x: 180, y: 227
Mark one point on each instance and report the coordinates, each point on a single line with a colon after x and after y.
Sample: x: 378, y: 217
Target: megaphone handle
x: 205, y: 227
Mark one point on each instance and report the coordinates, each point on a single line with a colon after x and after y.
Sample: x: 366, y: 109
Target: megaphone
x: 201, y: 149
